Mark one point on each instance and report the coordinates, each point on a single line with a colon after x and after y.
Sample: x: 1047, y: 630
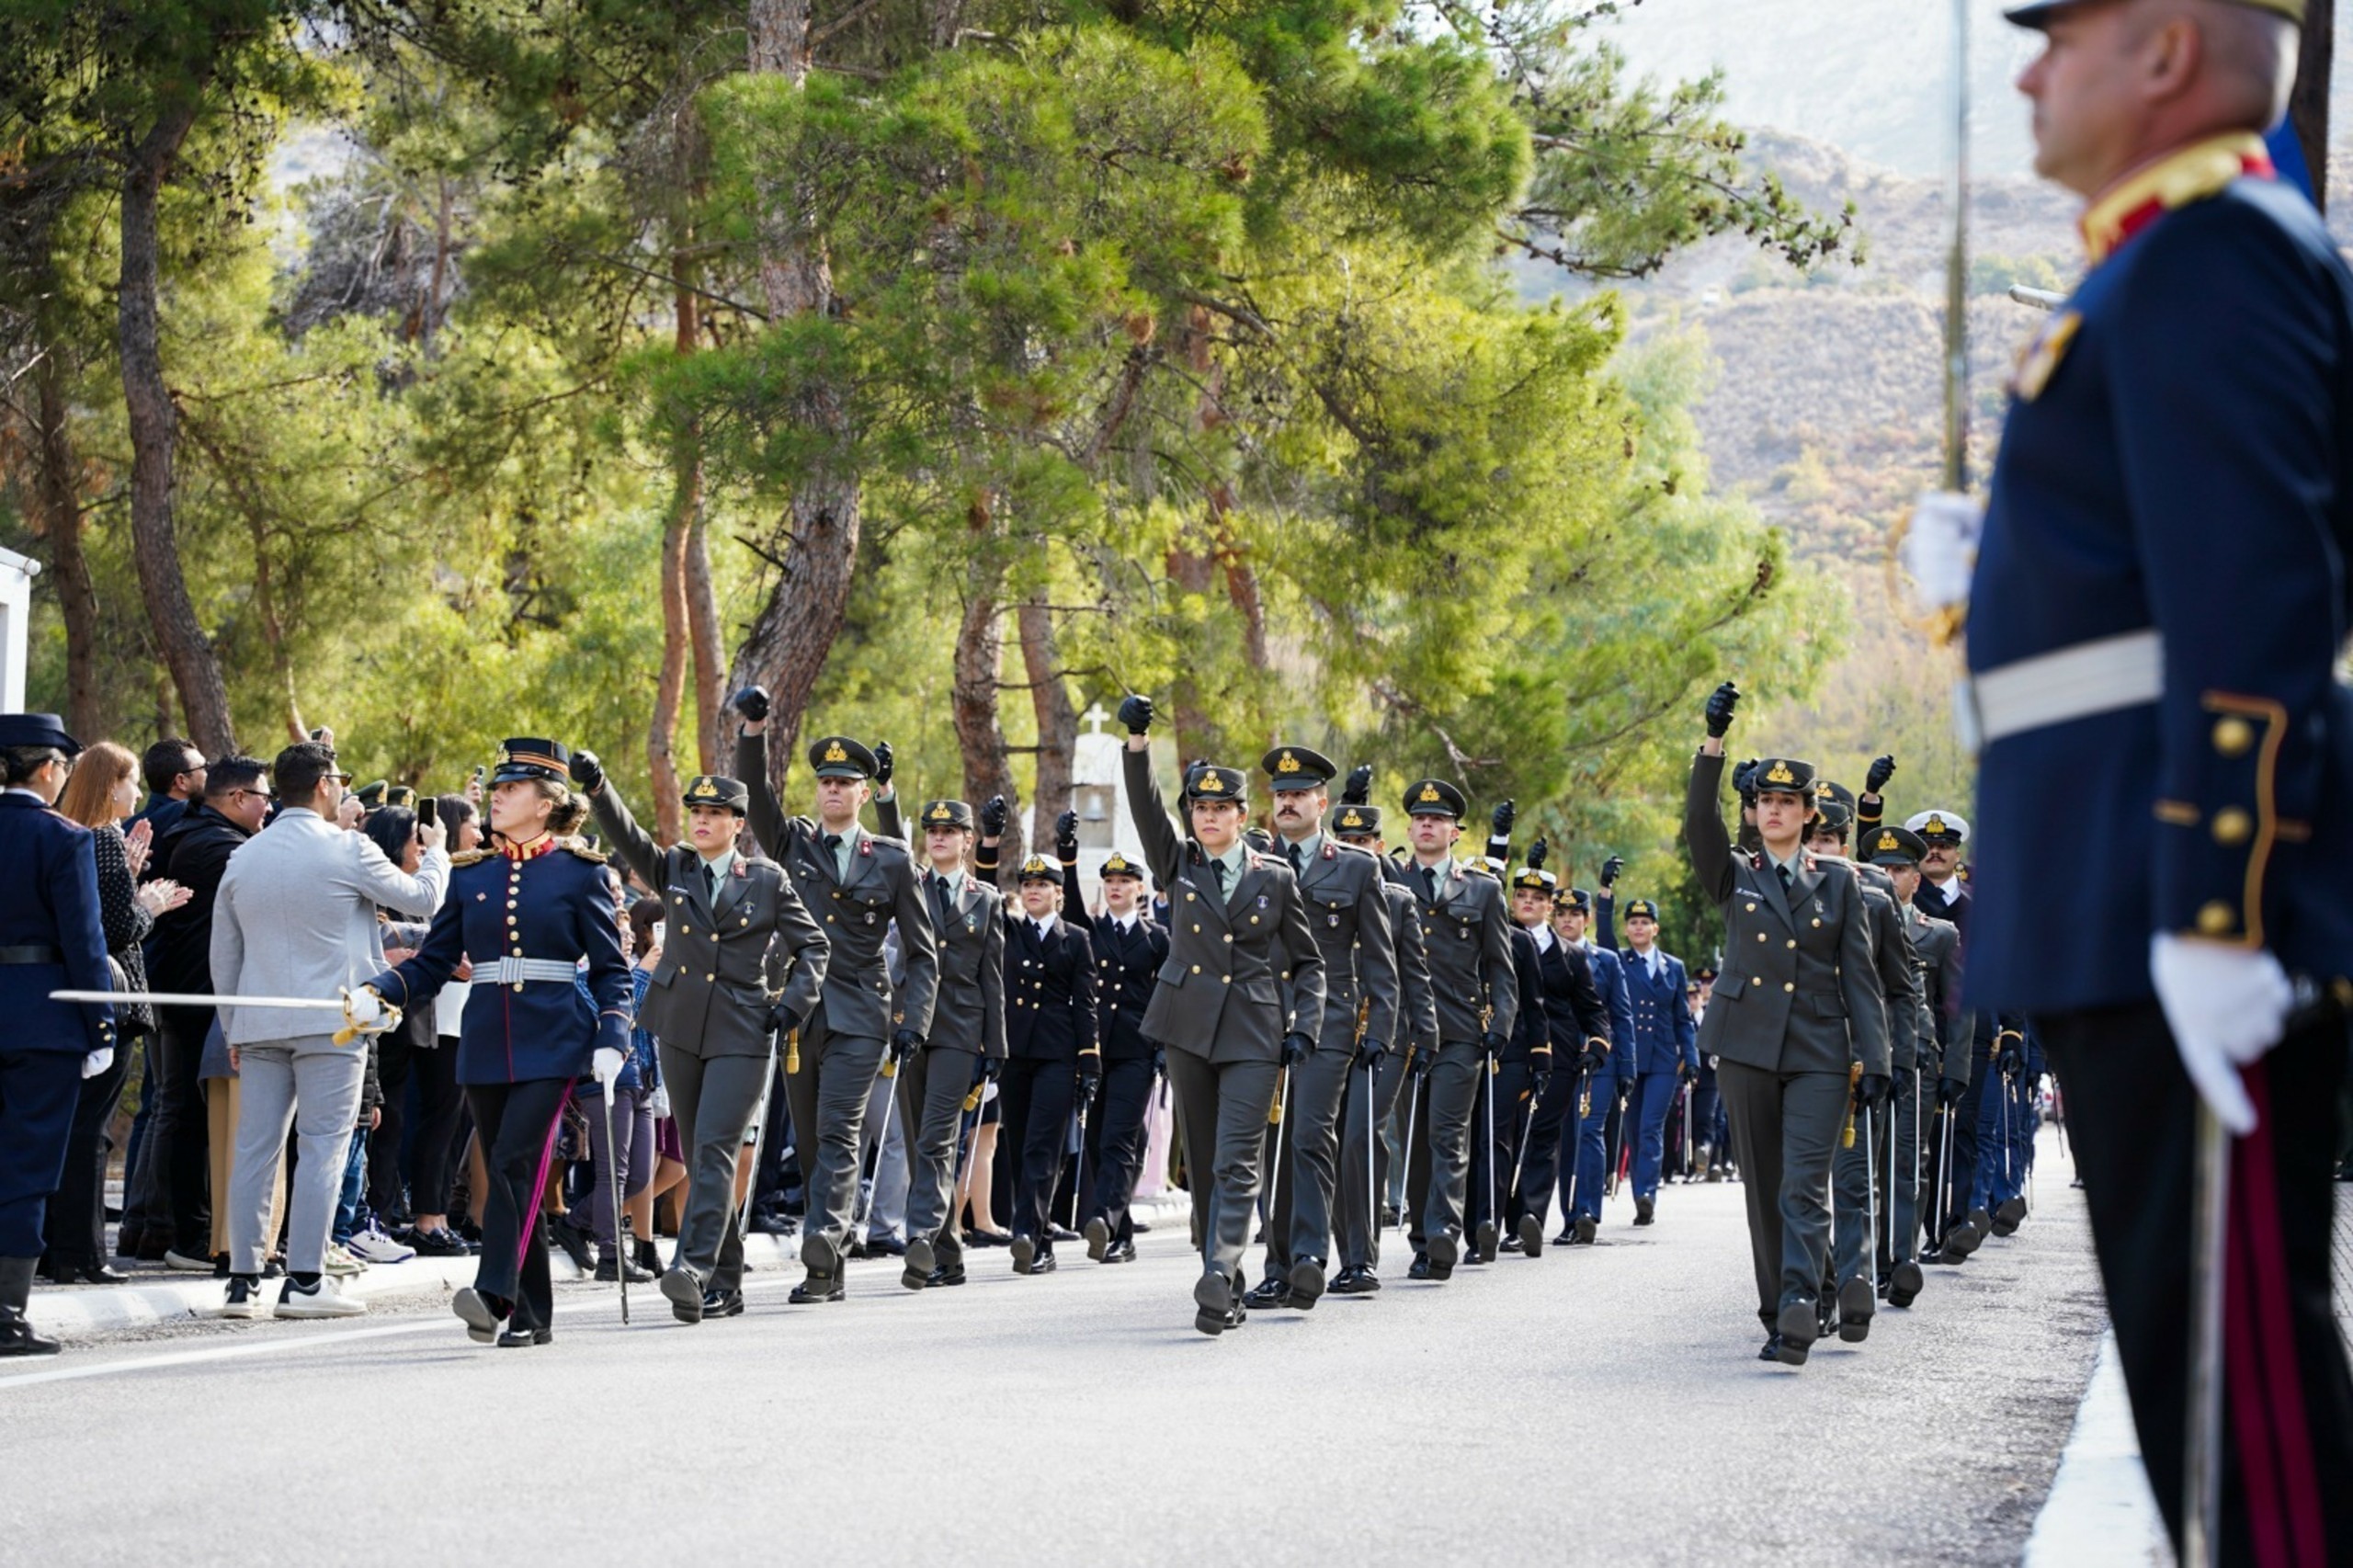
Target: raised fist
x: 1066, y: 836
x: 587, y: 772
x: 1135, y: 712
x: 1503, y: 817
x: 752, y: 703
x: 993, y: 814
x: 1721, y: 703
x: 882, y: 765
x: 1882, y: 769
x: 1536, y: 853
x: 1357, y: 790
x: 1611, y: 869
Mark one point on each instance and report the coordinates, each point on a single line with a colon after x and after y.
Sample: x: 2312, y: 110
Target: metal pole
x: 1372, y: 1134
x: 1956, y: 475
x: 881, y: 1149
x: 613, y: 1188
x: 2202, y: 1477
x: 1274, y: 1154
x: 1870, y: 1197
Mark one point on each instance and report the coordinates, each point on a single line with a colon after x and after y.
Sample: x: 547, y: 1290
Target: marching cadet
x: 1583, y: 1182
x: 1577, y: 1030
x: 527, y: 914
x: 1052, y: 1062
x: 1665, y: 1047
x: 1468, y: 937
x: 1860, y: 1182
x: 1521, y: 1070
x: 1129, y: 947
x: 1240, y: 997
x: 861, y: 885
x: 967, y: 1043
x: 2161, y: 599
x: 1372, y: 1090
x: 742, y: 961
x: 51, y: 939
x: 1349, y: 914
x: 1944, y: 894
x: 1940, y: 1046
x: 1796, y: 1010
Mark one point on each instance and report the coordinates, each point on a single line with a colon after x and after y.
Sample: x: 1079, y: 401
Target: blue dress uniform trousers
x: 37, y: 1092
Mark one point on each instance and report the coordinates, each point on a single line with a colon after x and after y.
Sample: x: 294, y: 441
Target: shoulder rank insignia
x: 470, y: 856
x: 581, y: 847
x: 2042, y: 356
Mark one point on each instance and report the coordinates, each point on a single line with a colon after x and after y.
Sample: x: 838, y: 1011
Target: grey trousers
x: 886, y: 1206
x: 1300, y: 1225
x: 1453, y: 1096
x: 828, y: 1098
x: 312, y: 1084
x: 713, y: 1101
x: 1784, y: 1128
x: 1905, y: 1201
x: 933, y: 1084
x: 1223, y: 1108
x: 1354, y: 1224
x: 1859, y: 1215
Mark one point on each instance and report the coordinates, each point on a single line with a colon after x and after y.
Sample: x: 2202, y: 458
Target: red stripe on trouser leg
x: 530, y: 1216
x: 2269, y: 1316
x: 2258, y: 1467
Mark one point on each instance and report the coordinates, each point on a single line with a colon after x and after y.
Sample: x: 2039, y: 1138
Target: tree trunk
x: 2308, y: 104
x: 58, y: 499
x: 686, y: 507
x: 980, y: 651
x: 795, y: 629
x: 710, y: 658
x: 153, y: 429
x: 1057, y: 719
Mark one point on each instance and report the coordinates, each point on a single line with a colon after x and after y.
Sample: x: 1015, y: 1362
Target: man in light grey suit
x: 296, y: 916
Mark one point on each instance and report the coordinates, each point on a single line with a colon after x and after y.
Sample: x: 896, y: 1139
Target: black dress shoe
x: 126, y: 1240
x: 920, y: 1263
x: 2008, y: 1218
x: 648, y: 1257
x: 18, y: 1338
x: 1061, y: 1233
x: 519, y: 1338
x: 1644, y: 1210
x: 1025, y: 1255
x: 572, y: 1239
x: 612, y: 1267
x: 1531, y: 1235
x: 1444, y: 1251
x: 1772, y: 1351
x: 1586, y: 1226
x: 772, y: 1222
x: 1306, y: 1284
x: 723, y: 1303
x: 1355, y: 1280
x: 1269, y: 1294
x: 816, y: 1290
x: 1044, y: 1262
x: 1510, y: 1243
x: 1903, y: 1284
x: 439, y: 1242
x: 941, y: 1278
x: 887, y: 1244
x: 988, y: 1239
x: 1800, y: 1325
x: 1214, y: 1308
x: 1484, y: 1241
x: 1098, y: 1239
x: 1420, y: 1268
x: 1139, y: 1227
x: 64, y: 1271
x: 1567, y: 1238
x: 684, y: 1292
x: 1856, y: 1303
x: 1125, y: 1252
x: 479, y: 1312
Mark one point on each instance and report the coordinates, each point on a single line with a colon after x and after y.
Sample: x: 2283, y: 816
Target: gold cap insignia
x: 940, y: 813
x: 1288, y: 764
x: 1429, y: 792
x: 1211, y: 784
x: 1780, y: 774
x: 1888, y: 841
x: 1350, y: 819
x: 834, y: 753
x: 1934, y: 825
x: 706, y: 790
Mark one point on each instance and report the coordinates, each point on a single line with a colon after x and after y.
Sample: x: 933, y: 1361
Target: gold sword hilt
x: 1854, y: 1081
x: 793, y: 1053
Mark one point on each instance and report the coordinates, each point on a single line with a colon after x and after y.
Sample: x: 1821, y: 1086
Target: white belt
x: 2114, y: 673
x: 513, y: 971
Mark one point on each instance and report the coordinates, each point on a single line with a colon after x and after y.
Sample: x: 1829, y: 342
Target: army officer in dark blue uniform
x: 2162, y: 593
x: 1129, y: 947
x: 526, y: 913
x: 50, y: 941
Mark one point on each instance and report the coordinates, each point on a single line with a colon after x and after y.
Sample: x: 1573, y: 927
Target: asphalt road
x: 1591, y: 1405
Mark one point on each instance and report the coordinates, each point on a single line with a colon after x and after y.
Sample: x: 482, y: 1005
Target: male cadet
x: 1944, y: 895
x: 1129, y: 947
x: 1468, y: 937
x: 1372, y: 1090
x: 742, y: 949
x: 1576, y: 1029
x: 1241, y: 997
x: 1797, y: 1010
x: 858, y: 885
x: 1666, y: 1041
x: 1859, y: 1176
x: 1522, y: 1069
x: 51, y: 939
x: 1350, y: 915
x: 1583, y: 1174
x: 2161, y: 598
x: 1940, y: 1047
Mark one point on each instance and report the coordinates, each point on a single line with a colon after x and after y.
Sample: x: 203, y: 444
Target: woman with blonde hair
x: 101, y: 792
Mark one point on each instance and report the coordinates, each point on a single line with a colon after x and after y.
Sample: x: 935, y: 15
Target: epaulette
x: 581, y: 847
x: 465, y: 857
x: 1334, y: 848
x: 884, y: 839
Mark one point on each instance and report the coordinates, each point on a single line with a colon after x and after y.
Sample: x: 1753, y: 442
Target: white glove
x: 1939, y: 548
x: 98, y: 1062
x: 2226, y: 1006
x: 606, y: 1065
x: 364, y: 1010
x: 659, y: 1101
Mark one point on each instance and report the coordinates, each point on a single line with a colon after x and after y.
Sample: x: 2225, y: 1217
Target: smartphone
x: 481, y: 772
x: 661, y: 929
x: 428, y: 812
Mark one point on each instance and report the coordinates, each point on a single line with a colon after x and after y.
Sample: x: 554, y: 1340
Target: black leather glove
x: 1875, y: 1089
x: 1066, y: 836
x: 1882, y: 768
x: 1090, y: 1072
x: 783, y: 1020
x: 1720, y: 702
x: 1160, y: 1060
x: 1492, y: 1043
x: 752, y: 703
x: 1596, y: 1057
x: 1357, y: 790
x: 1611, y: 869
x: 1683, y: 1072
x: 1368, y: 1051
x: 1135, y: 712
x: 587, y: 772
x: 1540, y: 1080
x: 1537, y: 852
x: 883, y: 763
x: 2010, y: 1056
x: 1295, y: 1048
x: 2034, y: 1085
x: 993, y: 814
x: 1417, y: 1066
x: 985, y: 1069
x: 1503, y: 817
x: 1950, y: 1090
x: 903, y: 1044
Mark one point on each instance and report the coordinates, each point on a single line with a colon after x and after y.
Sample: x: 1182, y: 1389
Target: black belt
x: 33, y: 954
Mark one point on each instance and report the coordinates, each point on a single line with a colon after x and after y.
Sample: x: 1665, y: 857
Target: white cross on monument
x: 1095, y: 719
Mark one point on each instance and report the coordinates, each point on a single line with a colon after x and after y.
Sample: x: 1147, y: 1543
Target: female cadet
x: 527, y: 914
x: 1797, y: 1007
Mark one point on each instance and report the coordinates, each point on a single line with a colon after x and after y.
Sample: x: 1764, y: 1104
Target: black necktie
x: 832, y: 842
x: 711, y: 872
x: 1217, y: 869
x: 939, y: 900
x: 1430, y: 882
x: 1784, y: 872
x: 1296, y: 869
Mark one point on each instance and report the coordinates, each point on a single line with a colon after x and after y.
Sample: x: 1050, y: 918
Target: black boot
x: 17, y: 1335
